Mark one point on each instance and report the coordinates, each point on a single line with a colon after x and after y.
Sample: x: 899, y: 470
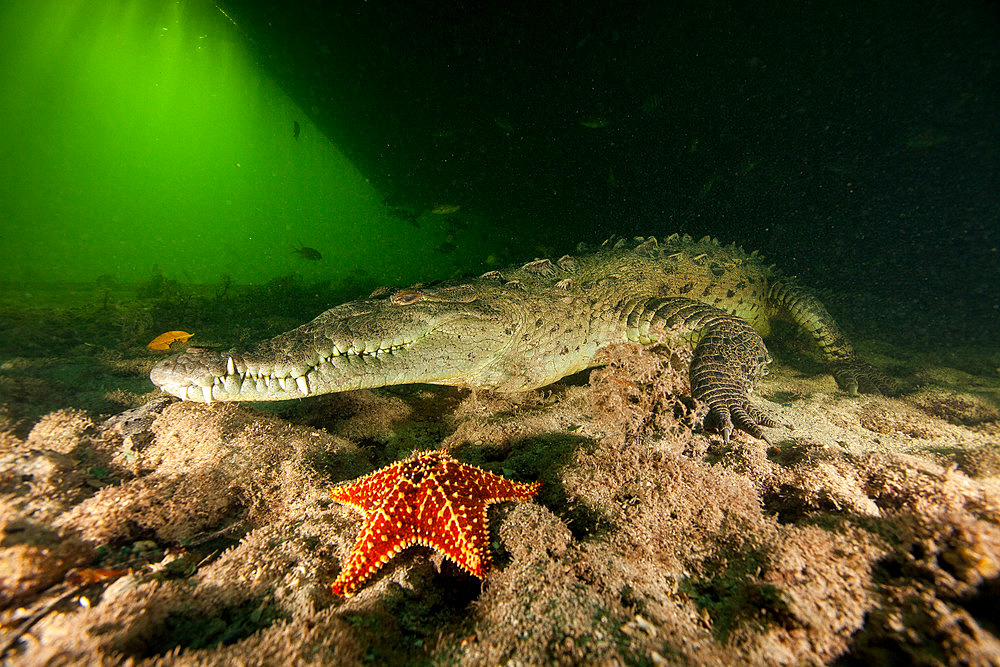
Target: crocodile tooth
x: 283, y: 383
x: 207, y: 393
x: 231, y: 384
x: 230, y: 366
x: 303, y: 384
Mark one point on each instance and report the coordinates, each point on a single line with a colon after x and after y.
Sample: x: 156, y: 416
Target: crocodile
x: 529, y: 326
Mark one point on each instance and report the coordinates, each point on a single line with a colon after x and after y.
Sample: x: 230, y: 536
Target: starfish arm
x: 489, y: 487
x: 366, y: 492
x: 457, y: 527
x: 377, y: 543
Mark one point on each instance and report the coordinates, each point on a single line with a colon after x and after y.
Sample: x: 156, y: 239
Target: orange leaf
x: 163, y: 341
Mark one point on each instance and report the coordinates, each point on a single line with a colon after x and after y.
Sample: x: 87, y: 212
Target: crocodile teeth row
x: 301, y: 382
x: 354, y: 351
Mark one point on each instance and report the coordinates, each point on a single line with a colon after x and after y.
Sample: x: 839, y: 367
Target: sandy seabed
x: 178, y: 533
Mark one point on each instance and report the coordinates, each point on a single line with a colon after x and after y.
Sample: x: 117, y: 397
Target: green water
x: 141, y: 138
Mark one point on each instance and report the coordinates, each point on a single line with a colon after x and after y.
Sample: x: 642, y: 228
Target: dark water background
x: 855, y: 143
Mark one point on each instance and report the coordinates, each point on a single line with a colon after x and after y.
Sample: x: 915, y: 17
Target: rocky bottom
x: 179, y: 533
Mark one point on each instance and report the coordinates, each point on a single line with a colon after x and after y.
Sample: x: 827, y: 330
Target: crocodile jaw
x: 357, y: 345
x: 209, y: 375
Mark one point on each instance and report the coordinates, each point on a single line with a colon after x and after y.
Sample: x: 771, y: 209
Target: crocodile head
x: 448, y: 335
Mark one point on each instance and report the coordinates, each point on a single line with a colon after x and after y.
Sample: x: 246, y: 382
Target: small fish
x: 305, y: 252
x: 164, y: 340
x: 652, y: 104
x: 296, y: 128
x: 446, y: 209
x: 595, y: 122
x: 504, y: 124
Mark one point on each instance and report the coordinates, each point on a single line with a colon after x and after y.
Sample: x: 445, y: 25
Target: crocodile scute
x: 529, y: 326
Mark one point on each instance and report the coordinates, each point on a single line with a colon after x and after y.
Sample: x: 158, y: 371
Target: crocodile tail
x: 798, y: 305
x: 851, y: 373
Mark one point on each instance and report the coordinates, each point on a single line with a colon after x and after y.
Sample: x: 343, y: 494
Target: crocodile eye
x: 406, y: 297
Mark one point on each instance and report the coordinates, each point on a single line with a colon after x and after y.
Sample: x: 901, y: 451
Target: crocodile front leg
x: 729, y: 358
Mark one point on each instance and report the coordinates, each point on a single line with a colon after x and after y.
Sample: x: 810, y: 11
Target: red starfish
x: 430, y: 499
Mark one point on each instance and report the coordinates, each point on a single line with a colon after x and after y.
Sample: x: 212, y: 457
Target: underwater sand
x: 868, y: 533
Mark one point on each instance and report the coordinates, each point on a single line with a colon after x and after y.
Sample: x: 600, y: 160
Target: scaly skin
x: 530, y: 326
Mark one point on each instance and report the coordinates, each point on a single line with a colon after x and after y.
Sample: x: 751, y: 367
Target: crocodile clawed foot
x: 854, y: 375
x: 735, y: 413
